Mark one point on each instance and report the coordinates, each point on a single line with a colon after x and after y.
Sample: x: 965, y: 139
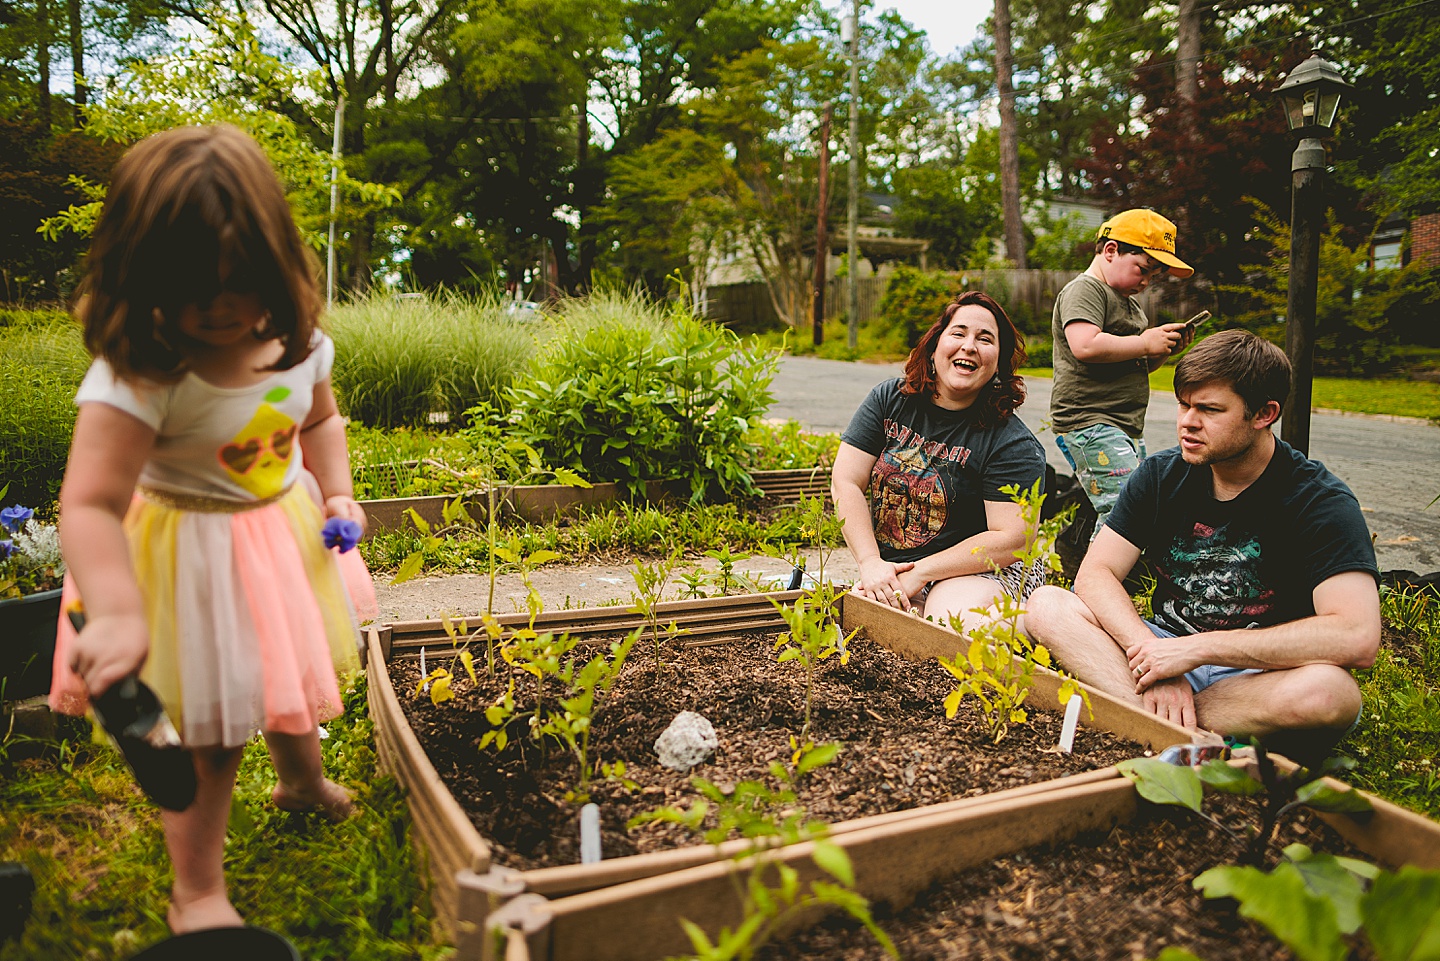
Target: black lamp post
x: 1311, y: 98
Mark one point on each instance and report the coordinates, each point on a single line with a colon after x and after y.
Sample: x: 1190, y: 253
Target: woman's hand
x: 880, y: 581
x: 346, y: 508
x: 109, y: 649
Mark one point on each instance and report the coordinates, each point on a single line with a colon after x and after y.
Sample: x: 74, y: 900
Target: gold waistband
x: 200, y: 504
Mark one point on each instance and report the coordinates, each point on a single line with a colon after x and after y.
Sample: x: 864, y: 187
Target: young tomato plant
x: 769, y: 816
x: 812, y: 637
x: 650, y: 581
x: 570, y: 721
x: 998, y: 666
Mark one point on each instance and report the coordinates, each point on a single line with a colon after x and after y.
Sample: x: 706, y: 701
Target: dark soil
x: 899, y: 749
x: 1120, y: 895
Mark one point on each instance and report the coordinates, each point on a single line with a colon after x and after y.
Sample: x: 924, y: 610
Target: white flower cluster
x: 38, y: 545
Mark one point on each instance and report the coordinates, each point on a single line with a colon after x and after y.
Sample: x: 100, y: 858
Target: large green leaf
x: 1305, y: 922
x: 1325, y: 876
x: 1323, y: 797
x: 1226, y: 777
x: 1402, y: 915
x: 1162, y: 783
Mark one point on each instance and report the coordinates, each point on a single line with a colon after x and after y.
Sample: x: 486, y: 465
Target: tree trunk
x: 1187, y: 52
x: 42, y: 62
x: 77, y: 61
x: 1009, y: 136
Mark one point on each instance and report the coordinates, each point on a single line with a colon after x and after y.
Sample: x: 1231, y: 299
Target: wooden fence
x: 1027, y: 295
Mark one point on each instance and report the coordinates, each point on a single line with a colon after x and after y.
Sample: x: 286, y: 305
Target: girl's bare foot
x: 328, y: 798
x: 189, y: 914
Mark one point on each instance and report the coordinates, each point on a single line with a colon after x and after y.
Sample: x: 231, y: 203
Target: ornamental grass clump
x: 42, y: 361
x: 30, y: 559
x: 411, y: 362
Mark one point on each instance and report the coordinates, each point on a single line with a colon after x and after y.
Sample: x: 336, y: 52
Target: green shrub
x: 42, y: 361
x: 397, y: 362
x: 913, y: 301
x: 1039, y: 351
x: 619, y: 397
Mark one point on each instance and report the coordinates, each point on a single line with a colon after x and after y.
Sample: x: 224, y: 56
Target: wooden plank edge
x: 569, y: 879
x: 450, y: 840
x: 893, y: 862
x: 919, y: 639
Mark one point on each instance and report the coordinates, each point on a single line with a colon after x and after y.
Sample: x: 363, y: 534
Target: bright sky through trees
x: 949, y: 23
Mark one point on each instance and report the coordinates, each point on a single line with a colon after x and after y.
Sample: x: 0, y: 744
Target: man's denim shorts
x: 1206, y: 674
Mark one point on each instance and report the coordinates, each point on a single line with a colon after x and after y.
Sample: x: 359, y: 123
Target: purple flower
x: 6, y: 549
x: 341, y: 533
x: 14, y: 518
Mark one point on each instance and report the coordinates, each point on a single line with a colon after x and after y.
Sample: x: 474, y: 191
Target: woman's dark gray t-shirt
x: 935, y: 468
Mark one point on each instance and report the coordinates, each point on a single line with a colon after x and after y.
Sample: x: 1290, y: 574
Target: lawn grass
x: 94, y: 845
x: 1403, y: 398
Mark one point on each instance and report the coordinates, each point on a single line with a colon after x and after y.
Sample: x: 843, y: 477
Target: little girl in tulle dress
x: 208, y: 454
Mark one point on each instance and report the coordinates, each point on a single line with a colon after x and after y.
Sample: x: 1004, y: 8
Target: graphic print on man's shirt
x: 1216, y: 576
x: 258, y: 456
x: 909, y: 502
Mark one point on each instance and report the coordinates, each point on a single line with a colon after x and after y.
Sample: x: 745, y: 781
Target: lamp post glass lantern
x: 1310, y: 97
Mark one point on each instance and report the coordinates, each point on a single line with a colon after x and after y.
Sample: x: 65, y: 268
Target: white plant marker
x: 424, y: 673
x: 1072, y: 717
x: 590, y: 834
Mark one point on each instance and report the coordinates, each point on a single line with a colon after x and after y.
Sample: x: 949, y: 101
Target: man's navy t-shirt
x: 935, y: 469
x: 1253, y: 561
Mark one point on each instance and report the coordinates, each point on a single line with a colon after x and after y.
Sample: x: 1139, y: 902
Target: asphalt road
x: 1392, y: 466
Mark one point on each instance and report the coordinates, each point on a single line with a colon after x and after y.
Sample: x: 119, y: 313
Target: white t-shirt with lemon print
x: 232, y: 443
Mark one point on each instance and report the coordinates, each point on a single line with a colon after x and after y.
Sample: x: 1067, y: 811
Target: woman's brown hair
x: 1002, y: 395
x: 193, y: 212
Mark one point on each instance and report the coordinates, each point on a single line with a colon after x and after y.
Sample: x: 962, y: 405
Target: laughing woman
x: 934, y: 447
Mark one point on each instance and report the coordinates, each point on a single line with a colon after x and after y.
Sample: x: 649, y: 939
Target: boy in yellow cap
x: 1104, y: 350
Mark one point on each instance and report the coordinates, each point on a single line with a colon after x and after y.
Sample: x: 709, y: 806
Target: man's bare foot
x: 329, y: 799
x: 198, y: 914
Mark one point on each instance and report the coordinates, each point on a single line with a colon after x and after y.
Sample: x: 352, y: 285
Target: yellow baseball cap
x: 1149, y: 231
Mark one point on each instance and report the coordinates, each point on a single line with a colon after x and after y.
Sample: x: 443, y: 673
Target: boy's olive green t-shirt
x: 1088, y: 394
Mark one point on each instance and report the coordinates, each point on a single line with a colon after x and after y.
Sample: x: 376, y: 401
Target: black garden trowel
x: 131, y: 714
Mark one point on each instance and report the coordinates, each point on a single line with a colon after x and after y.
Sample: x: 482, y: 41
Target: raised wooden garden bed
x: 898, y: 859
x: 540, y: 503
x: 467, y: 882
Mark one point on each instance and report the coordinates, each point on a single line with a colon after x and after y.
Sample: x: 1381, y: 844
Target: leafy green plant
x: 636, y: 401
x: 650, y: 581
x: 570, y: 722
x: 788, y: 446
x: 998, y: 665
x: 769, y: 815
x: 914, y: 300
x: 812, y: 637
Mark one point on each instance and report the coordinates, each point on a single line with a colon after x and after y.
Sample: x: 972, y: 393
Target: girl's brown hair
x: 193, y: 212
x: 1002, y: 395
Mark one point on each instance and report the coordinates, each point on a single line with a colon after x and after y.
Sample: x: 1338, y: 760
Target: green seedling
x: 812, y: 637
x: 725, y: 571
x: 570, y: 721
x: 650, y: 581
x: 1312, y: 902
x: 769, y: 815
x: 693, y: 582
x: 998, y: 665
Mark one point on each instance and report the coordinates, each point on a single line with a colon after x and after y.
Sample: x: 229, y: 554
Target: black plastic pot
x: 222, y: 944
x: 27, y: 644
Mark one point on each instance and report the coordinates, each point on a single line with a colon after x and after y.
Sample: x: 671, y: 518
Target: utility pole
x: 822, y: 240
x: 334, y: 201
x: 853, y: 331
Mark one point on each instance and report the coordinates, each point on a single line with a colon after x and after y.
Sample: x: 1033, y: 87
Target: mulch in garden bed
x: 1118, y: 895
x: 899, y: 752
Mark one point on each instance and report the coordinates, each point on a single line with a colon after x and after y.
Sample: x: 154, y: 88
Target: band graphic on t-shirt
x: 1216, y: 575
x: 908, y: 501
x: 904, y: 437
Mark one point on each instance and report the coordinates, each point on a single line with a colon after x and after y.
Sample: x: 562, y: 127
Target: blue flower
x: 6, y: 549
x: 341, y: 533
x: 14, y: 518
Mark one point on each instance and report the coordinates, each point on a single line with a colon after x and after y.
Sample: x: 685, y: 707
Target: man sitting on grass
x: 1266, y: 584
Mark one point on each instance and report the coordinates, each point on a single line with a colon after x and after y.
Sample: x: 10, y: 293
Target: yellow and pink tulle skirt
x: 252, y: 619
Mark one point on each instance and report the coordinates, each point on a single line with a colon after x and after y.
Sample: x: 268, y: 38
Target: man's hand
x: 880, y: 581
x: 1171, y: 700
x: 1155, y: 659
